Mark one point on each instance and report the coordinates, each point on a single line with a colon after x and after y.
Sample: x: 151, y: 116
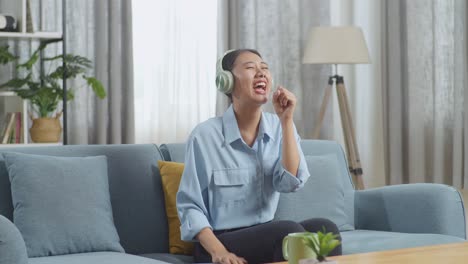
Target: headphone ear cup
x: 224, y: 81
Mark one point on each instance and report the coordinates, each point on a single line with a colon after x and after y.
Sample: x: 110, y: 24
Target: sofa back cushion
x: 173, y: 152
x: 333, y: 198
x: 135, y: 191
x: 320, y: 156
x: 323, y: 195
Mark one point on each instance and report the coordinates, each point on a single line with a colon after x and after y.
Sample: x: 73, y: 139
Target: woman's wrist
x: 210, y: 242
x: 218, y: 250
x: 287, y: 122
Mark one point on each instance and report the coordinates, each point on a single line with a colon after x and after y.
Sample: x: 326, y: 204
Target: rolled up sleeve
x: 191, y: 207
x: 285, y: 181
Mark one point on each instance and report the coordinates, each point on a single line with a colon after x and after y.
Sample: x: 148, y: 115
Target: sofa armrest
x: 411, y: 208
x: 12, y: 246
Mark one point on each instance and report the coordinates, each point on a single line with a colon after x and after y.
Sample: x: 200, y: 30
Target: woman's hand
x: 284, y: 102
x: 227, y: 257
x: 219, y: 254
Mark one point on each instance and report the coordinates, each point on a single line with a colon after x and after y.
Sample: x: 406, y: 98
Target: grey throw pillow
x: 62, y: 204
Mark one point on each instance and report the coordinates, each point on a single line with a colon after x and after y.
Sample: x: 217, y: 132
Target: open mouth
x: 260, y: 86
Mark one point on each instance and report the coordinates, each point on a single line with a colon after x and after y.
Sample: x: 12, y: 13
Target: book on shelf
x: 11, y: 137
x: 12, y: 128
x: 29, y: 20
x: 21, y: 137
x: 18, y: 128
x: 10, y: 119
x: 5, y: 122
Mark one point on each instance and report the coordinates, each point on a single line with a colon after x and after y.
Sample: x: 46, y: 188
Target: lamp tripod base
x: 352, y: 152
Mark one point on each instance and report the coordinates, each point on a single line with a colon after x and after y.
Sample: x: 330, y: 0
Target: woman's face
x: 252, y: 79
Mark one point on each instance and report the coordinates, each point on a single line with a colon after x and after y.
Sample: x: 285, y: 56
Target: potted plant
x: 321, y: 243
x: 44, y: 89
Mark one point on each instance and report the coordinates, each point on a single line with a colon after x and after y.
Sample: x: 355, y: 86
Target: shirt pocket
x: 233, y: 186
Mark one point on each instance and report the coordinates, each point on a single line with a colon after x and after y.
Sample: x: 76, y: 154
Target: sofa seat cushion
x: 171, y: 258
x: 62, y: 204
x: 362, y: 241
x: 95, y: 258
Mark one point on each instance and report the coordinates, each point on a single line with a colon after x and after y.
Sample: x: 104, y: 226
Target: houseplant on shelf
x: 44, y: 89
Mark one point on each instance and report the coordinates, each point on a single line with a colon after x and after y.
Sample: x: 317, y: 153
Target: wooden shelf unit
x: 9, y: 101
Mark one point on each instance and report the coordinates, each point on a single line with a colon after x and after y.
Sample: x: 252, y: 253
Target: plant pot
x: 46, y: 129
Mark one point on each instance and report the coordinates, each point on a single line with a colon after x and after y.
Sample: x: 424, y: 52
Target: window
x: 175, y: 49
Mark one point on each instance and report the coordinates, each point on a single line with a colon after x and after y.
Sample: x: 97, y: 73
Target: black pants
x: 263, y: 243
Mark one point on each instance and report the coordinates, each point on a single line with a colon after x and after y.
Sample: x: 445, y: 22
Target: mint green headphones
x: 224, y: 79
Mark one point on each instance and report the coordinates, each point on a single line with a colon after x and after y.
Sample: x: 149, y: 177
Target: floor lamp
x: 339, y: 45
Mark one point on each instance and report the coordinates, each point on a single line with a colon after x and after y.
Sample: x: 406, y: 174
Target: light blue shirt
x: 227, y: 184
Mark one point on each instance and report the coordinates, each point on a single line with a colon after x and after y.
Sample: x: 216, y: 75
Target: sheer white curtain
x: 175, y: 51
x: 364, y: 87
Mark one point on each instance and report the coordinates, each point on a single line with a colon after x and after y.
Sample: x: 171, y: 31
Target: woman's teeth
x: 261, y: 85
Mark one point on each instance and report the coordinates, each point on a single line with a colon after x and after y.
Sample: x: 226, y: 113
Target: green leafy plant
x: 321, y: 243
x: 44, y: 90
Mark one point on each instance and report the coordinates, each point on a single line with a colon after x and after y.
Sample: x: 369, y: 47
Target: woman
x: 237, y: 164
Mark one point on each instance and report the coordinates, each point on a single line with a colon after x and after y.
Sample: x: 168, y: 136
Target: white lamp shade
x: 336, y: 45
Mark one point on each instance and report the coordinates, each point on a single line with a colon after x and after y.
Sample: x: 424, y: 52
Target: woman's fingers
x: 275, y: 96
x: 241, y: 260
x: 283, y: 97
x: 284, y: 102
x: 230, y: 259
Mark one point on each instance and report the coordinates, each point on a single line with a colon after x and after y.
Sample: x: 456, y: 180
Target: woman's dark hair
x: 230, y: 58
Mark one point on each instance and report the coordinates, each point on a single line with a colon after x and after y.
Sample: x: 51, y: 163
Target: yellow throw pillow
x: 171, y: 173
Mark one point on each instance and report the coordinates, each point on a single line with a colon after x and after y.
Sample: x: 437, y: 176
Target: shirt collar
x: 231, y: 129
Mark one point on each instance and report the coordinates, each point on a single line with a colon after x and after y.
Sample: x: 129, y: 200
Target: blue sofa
x: 376, y: 219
